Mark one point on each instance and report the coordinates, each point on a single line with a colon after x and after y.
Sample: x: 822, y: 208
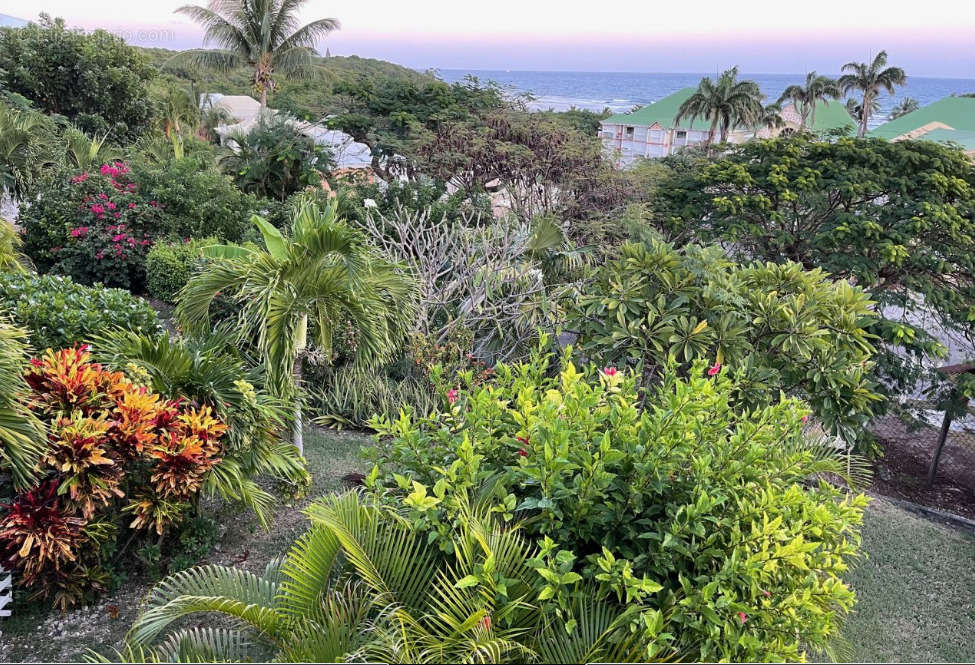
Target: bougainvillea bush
x: 716, y: 521
x: 121, y: 466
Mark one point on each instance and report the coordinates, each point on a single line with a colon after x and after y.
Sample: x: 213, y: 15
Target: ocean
x: 621, y: 91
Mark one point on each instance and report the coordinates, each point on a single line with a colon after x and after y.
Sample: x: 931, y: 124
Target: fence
x: 926, y: 463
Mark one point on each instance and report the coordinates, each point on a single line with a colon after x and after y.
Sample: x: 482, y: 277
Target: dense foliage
x: 362, y: 586
x: 21, y: 434
x: 58, y: 313
x: 118, y: 460
x: 896, y: 218
x: 788, y: 330
x: 708, y: 517
x: 96, y: 80
x: 169, y: 266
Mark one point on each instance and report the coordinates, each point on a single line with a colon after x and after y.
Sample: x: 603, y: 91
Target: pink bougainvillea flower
x: 131, y: 206
x: 609, y: 371
x: 452, y: 395
x: 110, y: 205
x: 522, y: 440
x: 715, y: 369
x: 118, y: 236
x: 523, y: 452
x: 103, y: 196
x: 742, y: 617
x: 805, y: 419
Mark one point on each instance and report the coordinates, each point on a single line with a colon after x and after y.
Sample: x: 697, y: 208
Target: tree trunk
x: 864, y: 116
x: 263, y: 97
x: 297, y: 433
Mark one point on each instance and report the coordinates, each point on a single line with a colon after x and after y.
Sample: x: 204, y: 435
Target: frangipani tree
x: 303, y: 285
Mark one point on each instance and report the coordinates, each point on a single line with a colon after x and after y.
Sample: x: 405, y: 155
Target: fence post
x: 945, y: 425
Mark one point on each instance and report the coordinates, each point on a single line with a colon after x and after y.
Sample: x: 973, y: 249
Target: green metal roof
x: 829, y: 115
x: 963, y: 137
x: 956, y: 112
x: 663, y: 111
x: 832, y: 115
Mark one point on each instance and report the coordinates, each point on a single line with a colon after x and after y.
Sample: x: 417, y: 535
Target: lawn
x: 915, y: 590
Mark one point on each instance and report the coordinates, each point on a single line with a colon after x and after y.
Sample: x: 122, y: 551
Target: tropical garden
x: 604, y: 415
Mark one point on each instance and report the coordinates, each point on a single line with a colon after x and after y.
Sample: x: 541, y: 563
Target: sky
x: 932, y: 38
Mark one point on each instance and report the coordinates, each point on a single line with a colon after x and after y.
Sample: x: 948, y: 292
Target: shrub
x: 57, y: 313
x: 725, y: 509
x: 416, y: 196
x: 788, y: 329
x: 119, y: 460
x: 170, y: 264
x: 197, y: 201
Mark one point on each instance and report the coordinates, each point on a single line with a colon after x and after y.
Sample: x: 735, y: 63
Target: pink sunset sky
x: 932, y: 38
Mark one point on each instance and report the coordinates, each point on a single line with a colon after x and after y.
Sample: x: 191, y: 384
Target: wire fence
x: 926, y: 460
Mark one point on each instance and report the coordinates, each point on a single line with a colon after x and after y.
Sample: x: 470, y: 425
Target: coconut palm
x: 362, y: 585
x: 906, y: 105
x: 261, y: 34
x: 324, y: 273
x: 805, y: 97
x: 870, y: 79
x: 22, y: 437
x: 770, y: 118
x: 178, y: 108
x: 725, y: 103
x: 855, y: 108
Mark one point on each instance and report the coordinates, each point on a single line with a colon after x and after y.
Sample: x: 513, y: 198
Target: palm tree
x: 85, y: 152
x: 177, y: 107
x: 870, y: 79
x: 22, y: 438
x: 806, y: 97
x: 770, y: 118
x: 906, y: 105
x: 325, y: 273
x: 27, y: 146
x: 362, y: 585
x: 726, y: 103
x: 855, y: 108
x: 262, y: 34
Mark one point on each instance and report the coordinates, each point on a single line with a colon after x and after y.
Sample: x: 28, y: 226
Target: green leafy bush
x: 196, y: 199
x: 170, y: 264
x: 352, y: 397
x: 58, y: 313
x: 787, y: 329
x: 715, y: 518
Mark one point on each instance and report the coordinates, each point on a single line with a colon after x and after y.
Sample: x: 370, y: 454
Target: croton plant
x: 121, y: 463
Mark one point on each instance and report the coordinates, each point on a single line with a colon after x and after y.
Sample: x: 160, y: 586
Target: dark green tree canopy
x: 96, y: 80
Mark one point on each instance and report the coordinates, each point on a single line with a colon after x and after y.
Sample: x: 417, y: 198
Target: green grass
x: 915, y: 590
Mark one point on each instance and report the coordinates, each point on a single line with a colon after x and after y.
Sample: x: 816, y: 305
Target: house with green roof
x: 651, y: 132
x: 948, y: 120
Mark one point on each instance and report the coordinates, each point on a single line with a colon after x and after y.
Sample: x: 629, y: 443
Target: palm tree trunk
x: 864, y: 116
x: 301, y: 341
x: 263, y: 97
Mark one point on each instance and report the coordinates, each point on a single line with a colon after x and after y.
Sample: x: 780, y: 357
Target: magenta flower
x: 714, y: 370
x: 452, y: 395
x: 131, y: 206
x: 742, y: 617
x: 98, y: 209
x: 103, y: 196
x: 117, y: 237
x: 609, y: 371
x: 523, y: 452
x: 805, y: 419
x: 110, y: 205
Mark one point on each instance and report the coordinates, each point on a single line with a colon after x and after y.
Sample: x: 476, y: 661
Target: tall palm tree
x: 805, y: 97
x: 855, y: 108
x: 726, y: 103
x: 870, y: 79
x: 362, y: 585
x: 906, y: 105
x: 262, y: 34
x: 324, y: 273
x: 770, y: 118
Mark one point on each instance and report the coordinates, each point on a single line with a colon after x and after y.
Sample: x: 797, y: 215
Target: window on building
x: 680, y: 137
x: 629, y: 132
